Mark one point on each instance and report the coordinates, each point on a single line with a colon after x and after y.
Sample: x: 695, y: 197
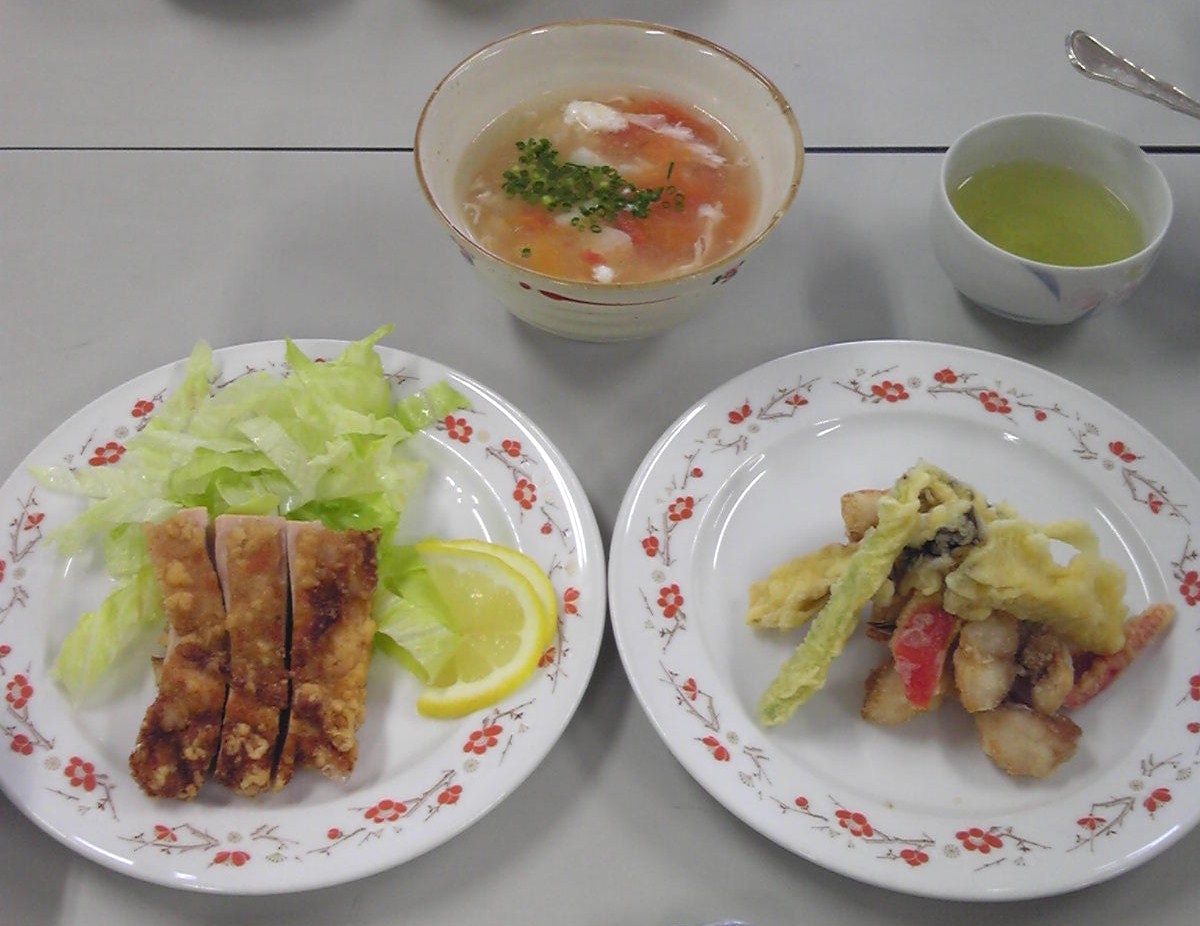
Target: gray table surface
x: 355, y: 73
x: 116, y: 260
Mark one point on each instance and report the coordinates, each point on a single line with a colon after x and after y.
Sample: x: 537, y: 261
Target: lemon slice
x: 530, y: 570
x: 501, y: 621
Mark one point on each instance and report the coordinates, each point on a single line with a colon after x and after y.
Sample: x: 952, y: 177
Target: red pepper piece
x: 919, y: 647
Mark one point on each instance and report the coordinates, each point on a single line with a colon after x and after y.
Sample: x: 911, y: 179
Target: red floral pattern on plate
x: 245, y: 847
x: 704, y: 715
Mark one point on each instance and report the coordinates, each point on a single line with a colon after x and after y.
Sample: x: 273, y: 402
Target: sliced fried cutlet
x: 251, y: 560
x: 333, y: 580
x: 180, y: 732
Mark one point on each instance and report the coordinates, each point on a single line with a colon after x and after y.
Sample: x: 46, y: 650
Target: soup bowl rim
x: 734, y: 257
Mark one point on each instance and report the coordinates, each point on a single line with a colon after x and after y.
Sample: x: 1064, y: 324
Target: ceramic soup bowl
x: 606, y: 53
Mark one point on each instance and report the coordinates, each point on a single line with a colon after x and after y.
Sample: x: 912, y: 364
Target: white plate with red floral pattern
x: 752, y: 475
x: 492, y: 474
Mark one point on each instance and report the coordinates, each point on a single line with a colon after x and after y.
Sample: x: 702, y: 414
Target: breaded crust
x: 251, y: 560
x: 333, y: 579
x: 180, y: 731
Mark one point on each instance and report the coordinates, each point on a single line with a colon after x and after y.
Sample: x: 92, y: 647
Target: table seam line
x: 370, y: 149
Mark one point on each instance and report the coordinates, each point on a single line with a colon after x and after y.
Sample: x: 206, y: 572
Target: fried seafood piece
x: 860, y: 512
x: 886, y: 702
x: 985, y: 661
x: 180, y: 731
x: 251, y: 561
x: 1047, y: 671
x: 1022, y: 742
x: 333, y: 575
x: 885, y: 610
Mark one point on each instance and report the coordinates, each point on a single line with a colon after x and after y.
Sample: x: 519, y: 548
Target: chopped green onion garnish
x: 598, y: 193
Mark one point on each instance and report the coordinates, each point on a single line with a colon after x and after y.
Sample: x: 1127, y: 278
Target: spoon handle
x: 1101, y: 63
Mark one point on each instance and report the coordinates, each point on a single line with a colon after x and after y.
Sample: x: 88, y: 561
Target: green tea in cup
x: 1048, y: 213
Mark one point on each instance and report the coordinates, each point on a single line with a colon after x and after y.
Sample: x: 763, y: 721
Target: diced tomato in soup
x: 709, y: 199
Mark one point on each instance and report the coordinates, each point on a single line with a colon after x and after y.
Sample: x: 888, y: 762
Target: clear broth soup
x: 707, y: 188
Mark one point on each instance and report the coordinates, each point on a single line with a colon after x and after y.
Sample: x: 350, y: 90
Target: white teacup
x: 1028, y: 290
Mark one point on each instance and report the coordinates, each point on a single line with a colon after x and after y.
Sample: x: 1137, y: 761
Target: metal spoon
x: 1101, y: 63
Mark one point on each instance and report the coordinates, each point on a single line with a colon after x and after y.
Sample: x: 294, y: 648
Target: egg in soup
x: 612, y: 188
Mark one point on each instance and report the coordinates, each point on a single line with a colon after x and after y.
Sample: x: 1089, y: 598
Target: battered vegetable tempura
x: 972, y: 605
x: 923, y: 505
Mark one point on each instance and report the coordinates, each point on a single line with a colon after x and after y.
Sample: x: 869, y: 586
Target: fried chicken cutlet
x: 251, y: 560
x: 269, y: 635
x: 180, y: 731
x: 333, y: 577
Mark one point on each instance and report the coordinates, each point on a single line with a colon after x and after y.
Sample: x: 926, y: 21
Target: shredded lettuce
x: 319, y: 443
x: 100, y: 637
x: 413, y: 621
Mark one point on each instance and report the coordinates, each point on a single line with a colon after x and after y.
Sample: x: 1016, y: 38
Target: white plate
x: 417, y: 783
x: 751, y: 476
